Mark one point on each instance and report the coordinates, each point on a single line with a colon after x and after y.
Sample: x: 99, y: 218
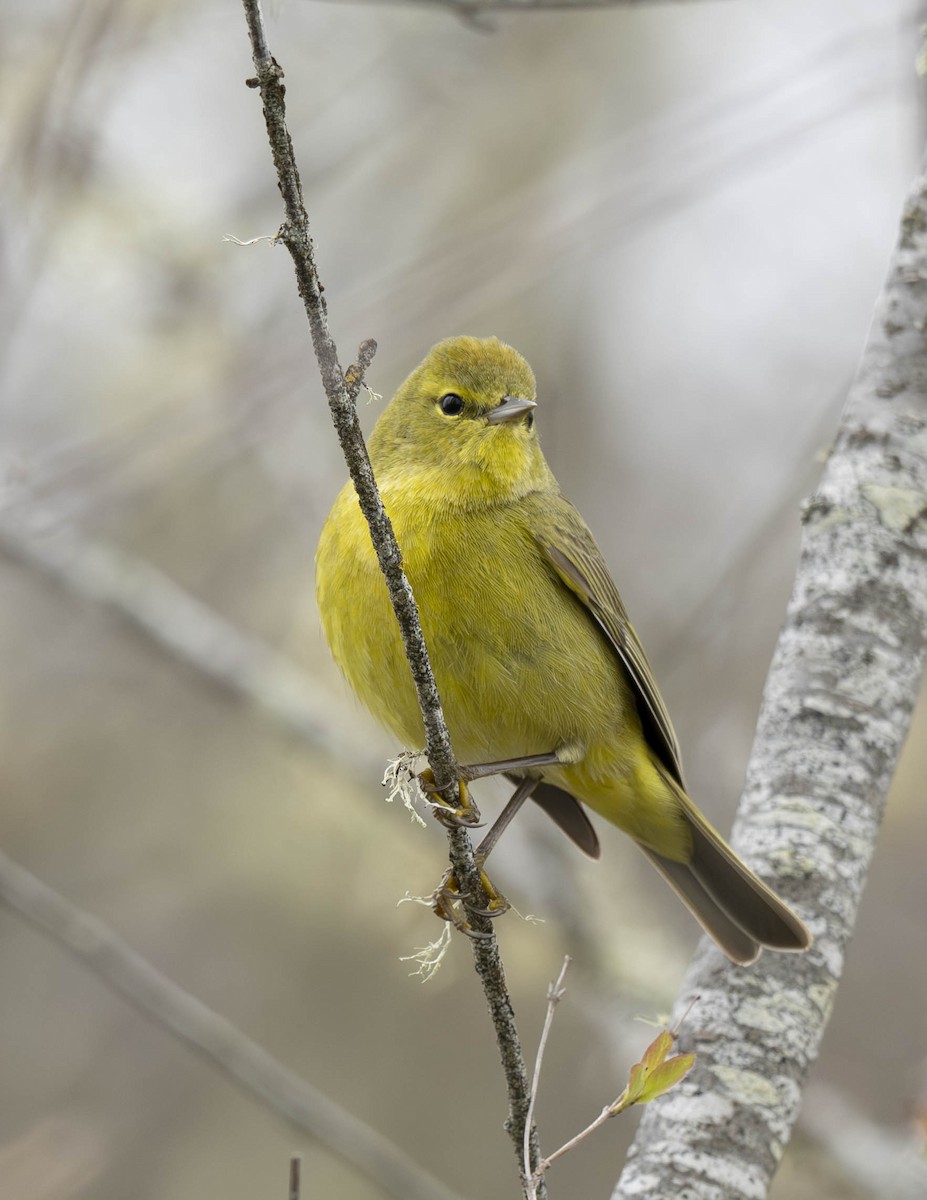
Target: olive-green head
x: 463, y: 422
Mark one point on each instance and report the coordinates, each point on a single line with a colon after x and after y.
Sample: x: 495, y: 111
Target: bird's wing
x: 578, y: 561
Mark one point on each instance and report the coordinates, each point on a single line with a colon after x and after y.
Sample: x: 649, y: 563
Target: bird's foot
x: 447, y: 902
x: 465, y: 814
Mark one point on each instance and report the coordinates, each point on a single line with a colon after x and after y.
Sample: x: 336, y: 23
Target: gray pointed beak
x: 509, y: 410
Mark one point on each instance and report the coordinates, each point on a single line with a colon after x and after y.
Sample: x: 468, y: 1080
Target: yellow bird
x: 540, y: 672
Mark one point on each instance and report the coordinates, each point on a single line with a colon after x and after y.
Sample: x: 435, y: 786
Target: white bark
x: 835, y: 712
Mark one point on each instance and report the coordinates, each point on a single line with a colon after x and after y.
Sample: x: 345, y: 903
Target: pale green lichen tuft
x: 402, y: 780
x: 792, y: 863
x: 759, y: 1016
x: 430, y: 957
x: 747, y: 1086
x: 822, y: 996
x: 898, y: 508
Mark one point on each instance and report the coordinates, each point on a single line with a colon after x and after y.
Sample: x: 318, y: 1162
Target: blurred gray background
x: 681, y: 215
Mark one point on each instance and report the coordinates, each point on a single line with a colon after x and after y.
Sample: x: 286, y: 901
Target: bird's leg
x: 504, y: 819
x: 448, y: 895
x: 504, y: 765
x: 466, y: 813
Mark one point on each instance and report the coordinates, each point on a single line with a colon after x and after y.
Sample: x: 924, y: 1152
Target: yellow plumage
x: 529, y: 641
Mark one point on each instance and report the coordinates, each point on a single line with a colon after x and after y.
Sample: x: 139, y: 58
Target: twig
x: 836, y: 708
x: 294, y: 233
x: 605, y: 1115
x: 555, y: 994
x: 244, y: 1061
x: 488, y: 963
x: 653, y: 1076
x: 295, y: 1171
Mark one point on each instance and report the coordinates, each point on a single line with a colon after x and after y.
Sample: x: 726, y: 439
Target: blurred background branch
x: 468, y: 8
x: 889, y: 1164
x: 191, y: 632
x: 119, y: 966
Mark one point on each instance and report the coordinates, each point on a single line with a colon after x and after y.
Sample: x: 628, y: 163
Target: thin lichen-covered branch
x: 836, y: 709
x: 341, y: 390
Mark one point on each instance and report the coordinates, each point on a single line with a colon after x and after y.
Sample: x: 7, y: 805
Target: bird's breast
x: 520, y: 665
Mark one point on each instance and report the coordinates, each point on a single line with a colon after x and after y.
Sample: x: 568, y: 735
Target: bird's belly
x: 520, y: 670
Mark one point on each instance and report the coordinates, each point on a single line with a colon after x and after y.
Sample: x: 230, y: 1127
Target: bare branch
x: 836, y: 709
x: 555, y: 994
x: 294, y: 233
x: 652, y: 1076
x: 605, y: 1115
x: 243, y: 1060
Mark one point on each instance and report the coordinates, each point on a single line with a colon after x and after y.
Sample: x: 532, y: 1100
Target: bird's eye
x: 451, y: 404
x: 529, y: 420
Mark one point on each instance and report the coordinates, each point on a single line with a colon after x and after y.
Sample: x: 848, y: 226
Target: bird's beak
x: 509, y: 410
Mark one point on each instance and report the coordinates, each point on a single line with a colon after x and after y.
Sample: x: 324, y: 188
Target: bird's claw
x: 444, y: 903
x: 466, y: 815
x: 447, y: 900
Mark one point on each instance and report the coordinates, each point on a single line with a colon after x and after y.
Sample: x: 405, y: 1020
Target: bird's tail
x: 736, y: 908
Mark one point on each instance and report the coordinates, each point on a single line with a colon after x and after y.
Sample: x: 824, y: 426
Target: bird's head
x: 463, y: 422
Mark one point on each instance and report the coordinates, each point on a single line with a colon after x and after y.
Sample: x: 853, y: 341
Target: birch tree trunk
x: 836, y: 709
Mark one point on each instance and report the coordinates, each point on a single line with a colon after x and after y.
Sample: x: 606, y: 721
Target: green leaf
x: 665, y: 1076
x: 657, y: 1051
x: 654, y: 1075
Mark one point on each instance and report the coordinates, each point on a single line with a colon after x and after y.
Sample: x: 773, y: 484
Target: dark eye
x: 529, y: 420
x: 451, y: 404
